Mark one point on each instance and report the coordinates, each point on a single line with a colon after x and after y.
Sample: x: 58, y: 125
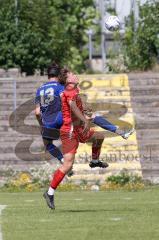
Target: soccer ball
x: 112, y: 23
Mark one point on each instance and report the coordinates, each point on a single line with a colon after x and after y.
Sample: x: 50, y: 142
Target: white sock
x: 95, y: 160
x: 62, y: 160
x: 51, y: 191
x: 120, y: 132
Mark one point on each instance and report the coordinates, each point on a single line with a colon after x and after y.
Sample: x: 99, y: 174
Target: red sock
x: 96, y: 149
x: 57, y: 178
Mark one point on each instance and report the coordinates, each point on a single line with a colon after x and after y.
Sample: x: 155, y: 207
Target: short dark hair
x: 63, y: 75
x: 53, y: 70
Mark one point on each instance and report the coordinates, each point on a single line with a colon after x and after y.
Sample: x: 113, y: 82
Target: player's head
x: 53, y: 70
x: 72, y: 81
x: 72, y: 78
x: 68, y: 78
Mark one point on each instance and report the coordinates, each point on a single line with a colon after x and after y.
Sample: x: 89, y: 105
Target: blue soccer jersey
x: 48, y: 97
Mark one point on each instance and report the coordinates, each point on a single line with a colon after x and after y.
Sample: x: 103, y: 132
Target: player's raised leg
x: 105, y: 124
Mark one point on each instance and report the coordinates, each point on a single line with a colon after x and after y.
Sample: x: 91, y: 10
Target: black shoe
x: 49, y: 200
x: 98, y: 164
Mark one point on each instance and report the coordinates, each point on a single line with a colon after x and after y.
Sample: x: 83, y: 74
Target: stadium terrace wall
x: 125, y: 100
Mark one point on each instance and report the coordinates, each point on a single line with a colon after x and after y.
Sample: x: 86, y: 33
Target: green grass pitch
x: 82, y: 216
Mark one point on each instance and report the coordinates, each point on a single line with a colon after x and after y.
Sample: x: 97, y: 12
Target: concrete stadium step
x: 9, y: 147
x: 108, y: 151
x: 144, y: 77
x: 19, y: 101
x: 38, y: 147
x: 146, y: 144
x: 19, y: 95
x: 15, y: 138
x: 37, y: 141
x: 143, y: 82
x: 149, y: 118
x: 117, y: 96
x: 9, y: 132
x: 146, y: 91
x: 14, y: 163
x: 139, y: 100
x: 32, y: 87
x: 147, y: 125
x: 140, y: 113
x: 143, y: 98
x: 147, y: 148
x: 151, y: 175
x: 27, y: 80
x: 146, y: 110
x: 28, y: 122
x: 150, y: 133
x: 12, y: 157
x: 12, y: 142
x: 96, y: 105
x: 21, y: 89
x: 138, y: 103
x: 30, y: 118
x: 138, y: 78
x: 11, y: 150
x: 11, y: 135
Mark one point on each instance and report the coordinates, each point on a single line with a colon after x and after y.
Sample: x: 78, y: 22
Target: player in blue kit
x: 48, y: 110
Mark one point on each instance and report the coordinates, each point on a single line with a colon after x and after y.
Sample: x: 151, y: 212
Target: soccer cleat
x: 128, y: 133
x: 100, y: 164
x: 49, y: 200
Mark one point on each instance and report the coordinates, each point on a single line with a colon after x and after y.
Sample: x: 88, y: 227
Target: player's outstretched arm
x: 38, y: 114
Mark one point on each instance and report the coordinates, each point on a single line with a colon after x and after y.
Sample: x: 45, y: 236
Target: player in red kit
x: 75, y: 129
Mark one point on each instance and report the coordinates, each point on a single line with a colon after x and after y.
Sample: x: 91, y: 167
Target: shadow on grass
x: 94, y: 210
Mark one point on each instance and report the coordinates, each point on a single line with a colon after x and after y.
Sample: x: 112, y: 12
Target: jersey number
x: 46, y: 96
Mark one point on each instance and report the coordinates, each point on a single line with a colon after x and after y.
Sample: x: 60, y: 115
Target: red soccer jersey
x: 68, y: 116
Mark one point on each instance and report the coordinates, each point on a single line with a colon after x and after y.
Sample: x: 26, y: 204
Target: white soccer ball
x: 112, y: 23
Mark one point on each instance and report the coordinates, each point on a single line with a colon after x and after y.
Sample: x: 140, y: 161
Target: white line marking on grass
x: 45, y: 220
x: 30, y: 200
x: 127, y: 198
x: 115, y: 219
x: 1, y: 208
x: 78, y: 199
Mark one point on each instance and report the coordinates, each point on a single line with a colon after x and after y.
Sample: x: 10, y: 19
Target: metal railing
x: 14, y: 89
x: 14, y: 92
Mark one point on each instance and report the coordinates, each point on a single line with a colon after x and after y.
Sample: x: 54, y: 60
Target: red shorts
x: 70, y: 140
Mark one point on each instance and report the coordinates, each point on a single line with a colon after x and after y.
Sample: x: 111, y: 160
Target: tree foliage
x: 141, y: 46
x: 45, y: 30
